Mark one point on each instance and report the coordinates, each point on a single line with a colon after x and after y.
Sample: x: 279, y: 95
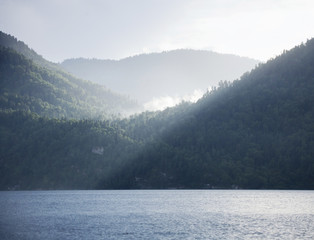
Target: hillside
x: 175, y: 73
x: 257, y: 132
x: 11, y: 42
x: 41, y: 153
x: 28, y: 86
x: 254, y: 133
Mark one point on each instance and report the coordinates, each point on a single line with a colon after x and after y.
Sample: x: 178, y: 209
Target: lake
x: 157, y: 214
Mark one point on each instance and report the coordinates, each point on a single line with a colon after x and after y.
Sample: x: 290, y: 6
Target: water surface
x: 157, y: 214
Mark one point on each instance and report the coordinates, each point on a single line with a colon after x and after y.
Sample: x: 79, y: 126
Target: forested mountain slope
x: 41, y: 153
x: 27, y: 86
x: 257, y: 132
x: 9, y: 41
x: 174, y: 73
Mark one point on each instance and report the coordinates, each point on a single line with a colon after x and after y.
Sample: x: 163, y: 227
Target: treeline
x: 42, y: 153
x: 173, y: 73
x: 29, y: 87
x: 257, y: 132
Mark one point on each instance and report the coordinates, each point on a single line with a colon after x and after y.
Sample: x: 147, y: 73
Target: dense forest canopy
x: 53, y: 93
x: 255, y: 132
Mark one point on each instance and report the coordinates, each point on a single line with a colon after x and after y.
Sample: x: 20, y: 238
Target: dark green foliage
x: 257, y: 132
x: 28, y: 87
x: 30, y: 83
x: 9, y: 41
x: 41, y: 153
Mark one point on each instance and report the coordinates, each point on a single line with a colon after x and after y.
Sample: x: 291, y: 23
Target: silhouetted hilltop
x: 174, y: 73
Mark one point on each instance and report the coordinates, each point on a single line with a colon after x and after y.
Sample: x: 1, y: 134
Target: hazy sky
x: 114, y: 29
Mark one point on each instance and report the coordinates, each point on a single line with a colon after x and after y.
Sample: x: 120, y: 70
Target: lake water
x: 157, y: 214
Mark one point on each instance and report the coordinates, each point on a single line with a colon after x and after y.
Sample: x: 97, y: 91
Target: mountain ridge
x: 172, y: 73
x: 29, y: 82
x: 256, y: 132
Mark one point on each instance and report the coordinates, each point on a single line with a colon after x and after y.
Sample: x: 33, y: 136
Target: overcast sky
x: 114, y: 29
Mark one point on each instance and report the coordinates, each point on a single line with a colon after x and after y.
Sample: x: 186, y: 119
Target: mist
x: 162, y: 103
x: 113, y: 95
x: 161, y: 80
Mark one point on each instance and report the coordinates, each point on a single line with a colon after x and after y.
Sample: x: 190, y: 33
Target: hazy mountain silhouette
x: 256, y: 132
x: 174, y: 73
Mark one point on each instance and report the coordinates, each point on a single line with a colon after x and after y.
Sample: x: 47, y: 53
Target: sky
x: 115, y: 29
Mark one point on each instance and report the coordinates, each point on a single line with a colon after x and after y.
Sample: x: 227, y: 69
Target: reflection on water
x: 157, y: 214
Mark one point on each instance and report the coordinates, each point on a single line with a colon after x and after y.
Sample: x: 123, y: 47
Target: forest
x: 61, y: 132
x: 30, y: 83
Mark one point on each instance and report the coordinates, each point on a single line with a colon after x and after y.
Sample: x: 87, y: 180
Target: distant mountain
x: 253, y: 133
x: 257, y: 132
x: 174, y: 73
x: 30, y: 83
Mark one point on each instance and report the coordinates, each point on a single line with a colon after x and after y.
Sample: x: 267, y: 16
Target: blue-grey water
x: 157, y: 214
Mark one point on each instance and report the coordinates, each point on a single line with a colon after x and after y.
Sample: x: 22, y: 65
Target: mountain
x: 28, y: 84
x: 256, y: 132
x: 11, y: 42
x: 168, y: 74
x: 42, y: 153
x: 253, y: 133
